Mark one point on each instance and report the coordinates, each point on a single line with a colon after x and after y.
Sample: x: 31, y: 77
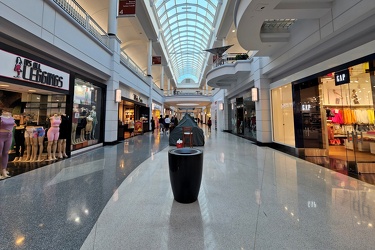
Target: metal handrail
x: 72, y: 8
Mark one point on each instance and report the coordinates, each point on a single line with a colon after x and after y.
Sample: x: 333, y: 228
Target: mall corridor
x: 119, y: 197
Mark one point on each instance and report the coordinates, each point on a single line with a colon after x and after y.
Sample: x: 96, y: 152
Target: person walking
x: 161, y: 123
x: 209, y: 123
x: 152, y: 124
x: 167, y: 121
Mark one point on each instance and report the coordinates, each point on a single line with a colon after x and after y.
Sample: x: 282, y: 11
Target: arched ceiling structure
x: 187, y: 28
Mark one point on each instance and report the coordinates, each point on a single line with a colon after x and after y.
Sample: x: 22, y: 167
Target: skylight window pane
x: 192, y: 16
x: 173, y: 26
x: 211, y: 9
x: 169, y: 4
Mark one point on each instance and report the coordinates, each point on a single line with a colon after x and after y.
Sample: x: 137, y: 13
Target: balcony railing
x: 79, y: 14
x: 230, y: 58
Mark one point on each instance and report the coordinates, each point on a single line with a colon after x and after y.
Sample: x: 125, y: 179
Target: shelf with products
x: 348, y: 106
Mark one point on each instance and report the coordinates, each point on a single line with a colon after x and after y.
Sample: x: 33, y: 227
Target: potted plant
x: 243, y: 56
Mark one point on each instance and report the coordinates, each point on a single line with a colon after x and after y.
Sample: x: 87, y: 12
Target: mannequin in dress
x: 6, y: 134
x: 19, y: 138
x: 94, y: 121
x: 53, y: 135
x: 74, y: 124
x: 82, y: 124
x: 64, y: 133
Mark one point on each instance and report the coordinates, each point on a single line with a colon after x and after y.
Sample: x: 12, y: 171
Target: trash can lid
x: 185, y: 151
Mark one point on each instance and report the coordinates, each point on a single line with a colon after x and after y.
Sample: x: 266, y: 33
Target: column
x: 162, y: 78
x: 262, y: 107
x: 169, y: 87
x: 149, y: 74
x: 112, y: 15
x: 111, y: 107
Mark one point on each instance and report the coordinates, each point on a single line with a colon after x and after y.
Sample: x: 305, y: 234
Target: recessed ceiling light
x: 31, y: 90
x: 4, y: 85
x: 233, y: 30
x: 187, y: 104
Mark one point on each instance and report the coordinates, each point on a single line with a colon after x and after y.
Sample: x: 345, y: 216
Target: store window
x: 249, y: 117
x: 282, y: 115
x: 86, y: 114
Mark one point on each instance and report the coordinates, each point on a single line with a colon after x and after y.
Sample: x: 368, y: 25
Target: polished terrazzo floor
x: 119, y: 197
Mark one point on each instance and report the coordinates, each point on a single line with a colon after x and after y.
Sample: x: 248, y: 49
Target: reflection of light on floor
x: 20, y: 240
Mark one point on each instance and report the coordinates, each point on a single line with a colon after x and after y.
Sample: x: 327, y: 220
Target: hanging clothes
x: 370, y: 115
x: 338, y: 118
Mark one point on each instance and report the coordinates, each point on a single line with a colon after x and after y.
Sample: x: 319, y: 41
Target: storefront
x: 133, y: 118
x: 242, y: 115
x: 40, y: 95
x: 332, y: 115
x: 87, y: 113
x: 156, y: 112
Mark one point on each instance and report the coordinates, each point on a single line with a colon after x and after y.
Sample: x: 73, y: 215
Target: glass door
x: 350, y: 117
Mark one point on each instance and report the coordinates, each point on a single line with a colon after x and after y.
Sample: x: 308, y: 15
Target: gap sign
x: 342, y: 77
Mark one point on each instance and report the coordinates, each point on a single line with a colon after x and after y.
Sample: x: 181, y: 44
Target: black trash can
x: 185, y: 172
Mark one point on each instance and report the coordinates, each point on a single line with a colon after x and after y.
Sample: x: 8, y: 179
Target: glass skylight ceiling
x: 187, y: 26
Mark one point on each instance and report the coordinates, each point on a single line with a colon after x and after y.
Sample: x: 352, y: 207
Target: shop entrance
x: 349, y: 123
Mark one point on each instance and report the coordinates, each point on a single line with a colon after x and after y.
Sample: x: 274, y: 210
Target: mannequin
x: 61, y: 143
x: 74, y: 124
x: 19, y: 137
x: 89, y: 123
x: 94, y: 121
x: 37, y: 143
x: 82, y: 125
x: 6, y: 127
x: 53, y: 135
x: 29, y: 133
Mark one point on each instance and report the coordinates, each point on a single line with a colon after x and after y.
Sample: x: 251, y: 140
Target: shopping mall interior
x: 187, y: 124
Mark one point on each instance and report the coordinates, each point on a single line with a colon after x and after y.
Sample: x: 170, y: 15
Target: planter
x: 185, y: 172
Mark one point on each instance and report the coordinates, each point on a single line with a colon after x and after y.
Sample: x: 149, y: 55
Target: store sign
x: 24, y: 69
x: 156, y: 60
x: 342, y: 77
x: 126, y: 8
x: 306, y: 107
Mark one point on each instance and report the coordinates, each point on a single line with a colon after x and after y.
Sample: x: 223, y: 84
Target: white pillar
x: 262, y: 107
x: 112, y: 15
x: 149, y: 74
x: 169, y: 87
x: 111, y: 107
x: 162, y: 78
x: 149, y: 58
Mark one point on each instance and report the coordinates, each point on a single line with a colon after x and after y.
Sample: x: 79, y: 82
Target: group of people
x: 165, y: 123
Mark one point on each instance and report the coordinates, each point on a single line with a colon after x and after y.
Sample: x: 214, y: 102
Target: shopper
x: 167, y: 122
x: 152, y: 124
x: 161, y: 123
x: 209, y: 123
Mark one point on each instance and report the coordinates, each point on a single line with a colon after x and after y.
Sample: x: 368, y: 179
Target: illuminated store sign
x: 342, y: 77
x: 24, y: 69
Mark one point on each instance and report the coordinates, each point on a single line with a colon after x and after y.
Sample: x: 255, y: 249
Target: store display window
x: 86, y: 114
x: 282, y: 115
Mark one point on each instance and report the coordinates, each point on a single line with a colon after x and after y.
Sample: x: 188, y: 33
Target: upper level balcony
x: 228, y: 69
